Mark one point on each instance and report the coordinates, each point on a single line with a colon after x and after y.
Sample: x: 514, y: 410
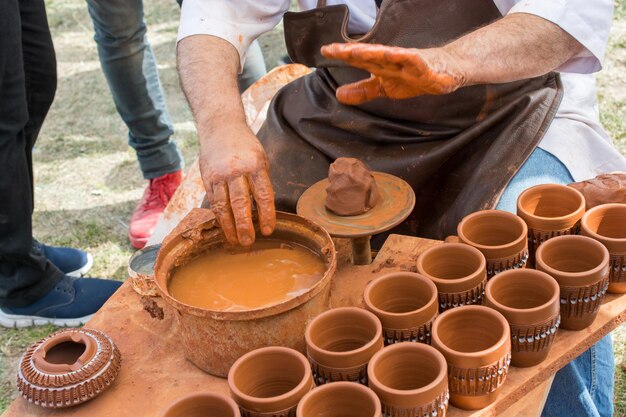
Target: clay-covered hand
x: 234, y: 170
x: 397, y: 73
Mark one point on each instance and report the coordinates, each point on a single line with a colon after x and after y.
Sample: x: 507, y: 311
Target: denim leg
x: 254, y: 67
x: 584, y: 387
x: 130, y: 69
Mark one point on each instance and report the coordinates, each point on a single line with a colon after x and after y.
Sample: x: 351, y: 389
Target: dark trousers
x: 27, y: 87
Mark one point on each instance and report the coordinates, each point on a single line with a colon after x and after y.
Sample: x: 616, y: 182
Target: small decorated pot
x: 459, y: 272
x: 68, y: 367
x: 340, y: 343
x: 550, y: 210
x: 411, y: 379
x: 607, y: 224
x: 405, y: 303
x: 476, y: 342
x: 270, y: 381
x: 501, y: 236
x: 581, y: 267
x: 202, y: 404
x: 529, y: 300
x: 340, y: 399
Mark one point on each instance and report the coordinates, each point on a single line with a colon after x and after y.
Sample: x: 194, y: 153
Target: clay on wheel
x: 352, y: 188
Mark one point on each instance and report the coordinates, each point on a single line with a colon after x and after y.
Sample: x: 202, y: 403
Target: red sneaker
x: 149, y: 210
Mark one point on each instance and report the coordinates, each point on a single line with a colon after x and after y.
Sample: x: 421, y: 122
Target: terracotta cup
x: 581, y: 267
x: 405, y: 303
x: 340, y: 399
x: 202, y: 404
x: 529, y: 300
x: 476, y: 342
x: 340, y: 343
x: 607, y: 224
x: 458, y: 270
x: 499, y: 235
x: 411, y: 379
x: 550, y: 210
x: 270, y: 381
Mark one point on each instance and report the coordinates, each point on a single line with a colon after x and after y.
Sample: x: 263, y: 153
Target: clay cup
x: 270, y: 381
x: 550, y: 210
x: 411, y: 379
x: 476, y: 342
x: 202, y: 404
x: 529, y: 300
x: 458, y: 270
x: 499, y: 235
x: 340, y: 343
x: 405, y: 303
x: 581, y: 267
x: 607, y: 224
x: 340, y: 399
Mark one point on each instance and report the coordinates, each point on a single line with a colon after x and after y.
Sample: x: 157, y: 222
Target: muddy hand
x: 235, y: 170
x: 397, y: 73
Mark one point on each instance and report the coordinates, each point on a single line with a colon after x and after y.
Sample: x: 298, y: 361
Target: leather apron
x: 458, y: 151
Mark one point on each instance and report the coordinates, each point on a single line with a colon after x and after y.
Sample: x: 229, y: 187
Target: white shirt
x: 575, y: 136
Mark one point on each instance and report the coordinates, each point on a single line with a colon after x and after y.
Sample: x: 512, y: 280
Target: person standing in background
x: 130, y: 68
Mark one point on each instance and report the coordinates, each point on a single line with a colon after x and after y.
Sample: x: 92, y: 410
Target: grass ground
x: 88, y: 180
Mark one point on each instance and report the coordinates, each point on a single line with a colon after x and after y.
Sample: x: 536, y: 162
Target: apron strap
x: 321, y: 3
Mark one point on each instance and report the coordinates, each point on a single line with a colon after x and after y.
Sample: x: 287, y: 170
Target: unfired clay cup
x: 411, y: 379
x: 550, y: 210
x: 340, y: 343
x: 501, y: 236
x: 529, y: 300
x: 458, y: 270
x: 581, y: 267
x: 270, y: 381
x: 202, y: 404
x: 476, y: 342
x: 607, y: 224
x: 405, y: 303
x: 340, y: 399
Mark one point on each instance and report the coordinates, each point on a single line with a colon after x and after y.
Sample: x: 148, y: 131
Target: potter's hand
x: 397, y: 73
x: 234, y: 168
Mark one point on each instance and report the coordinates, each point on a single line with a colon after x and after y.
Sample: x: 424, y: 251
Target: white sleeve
x: 238, y: 22
x: 587, y: 21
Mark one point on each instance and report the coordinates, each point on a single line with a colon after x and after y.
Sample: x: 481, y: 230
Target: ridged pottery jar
x: 607, y: 224
x: 340, y: 399
x: 529, y: 300
x: 340, y: 343
x: 501, y: 236
x: 405, y: 303
x: 270, y: 381
x: 68, y: 367
x: 476, y: 342
x: 458, y: 270
x: 411, y: 379
x: 550, y: 210
x: 240, y: 332
x: 202, y: 404
x: 581, y: 267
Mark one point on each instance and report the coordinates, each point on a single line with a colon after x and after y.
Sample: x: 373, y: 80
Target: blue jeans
x: 585, y: 386
x: 130, y: 69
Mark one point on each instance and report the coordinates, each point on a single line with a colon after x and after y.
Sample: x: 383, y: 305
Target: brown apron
x: 458, y: 151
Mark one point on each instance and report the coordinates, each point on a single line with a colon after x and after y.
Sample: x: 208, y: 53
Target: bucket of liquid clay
x: 232, y: 300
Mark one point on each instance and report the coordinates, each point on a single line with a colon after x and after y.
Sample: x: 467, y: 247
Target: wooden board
x: 155, y: 372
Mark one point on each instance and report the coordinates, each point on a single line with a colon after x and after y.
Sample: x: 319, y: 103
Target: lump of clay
x: 352, y: 188
x: 606, y: 188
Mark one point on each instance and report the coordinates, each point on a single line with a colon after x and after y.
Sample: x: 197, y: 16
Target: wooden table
x: 155, y: 372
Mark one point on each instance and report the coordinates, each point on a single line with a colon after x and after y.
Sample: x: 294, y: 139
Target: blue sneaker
x: 70, y: 261
x: 70, y: 303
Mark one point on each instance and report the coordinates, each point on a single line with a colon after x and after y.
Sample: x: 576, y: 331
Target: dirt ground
x: 88, y: 180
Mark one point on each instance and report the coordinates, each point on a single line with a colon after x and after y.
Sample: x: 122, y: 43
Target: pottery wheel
x: 397, y: 202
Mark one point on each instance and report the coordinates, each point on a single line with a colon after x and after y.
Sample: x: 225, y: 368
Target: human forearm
x: 516, y: 47
x: 208, y: 68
